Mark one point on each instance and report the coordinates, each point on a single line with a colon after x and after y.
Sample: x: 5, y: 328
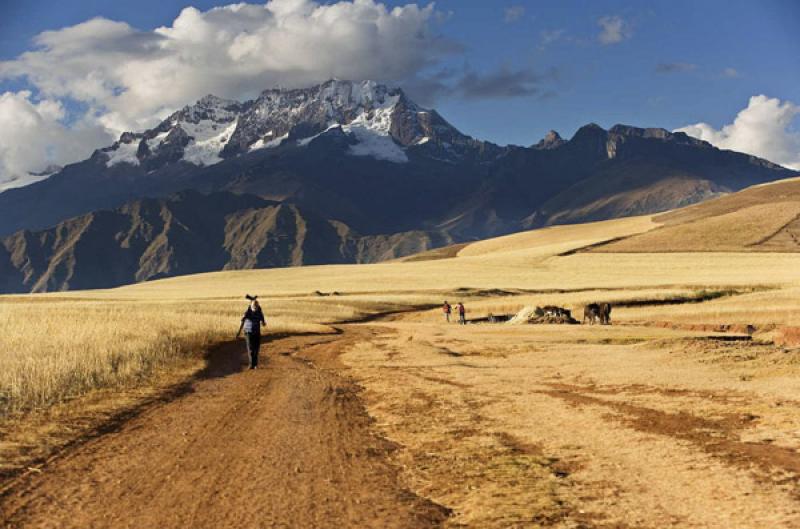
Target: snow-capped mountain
x: 377, y: 175
x: 378, y: 121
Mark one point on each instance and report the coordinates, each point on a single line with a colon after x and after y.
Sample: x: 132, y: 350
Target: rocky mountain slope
x: 184, y: 234
x: 364, y: 157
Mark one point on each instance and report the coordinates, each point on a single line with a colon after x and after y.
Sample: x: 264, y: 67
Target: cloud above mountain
x: 32, y: 136
x: 766, y: 128
x: 127, y: 79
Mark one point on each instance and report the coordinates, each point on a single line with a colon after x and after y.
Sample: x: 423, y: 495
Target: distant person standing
x: 462, y: 314
x: 251, y: 324
x: 447, y: 309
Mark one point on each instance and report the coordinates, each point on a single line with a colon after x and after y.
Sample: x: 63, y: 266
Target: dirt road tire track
x: 286, y: 446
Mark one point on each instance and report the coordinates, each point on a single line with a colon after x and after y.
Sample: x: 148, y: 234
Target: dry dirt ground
x: 585, y: 426
x: 410, y: 423
x: 288, y: 445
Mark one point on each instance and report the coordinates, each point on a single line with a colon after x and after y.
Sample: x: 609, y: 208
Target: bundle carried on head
x: 251, y: 298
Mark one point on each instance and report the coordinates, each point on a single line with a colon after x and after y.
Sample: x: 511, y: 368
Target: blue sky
x: 606, y: 84
x: 502, y: 71
x: 619, y: 83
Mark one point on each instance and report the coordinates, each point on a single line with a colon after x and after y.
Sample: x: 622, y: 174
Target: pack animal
x: 605, y: 313
x: 592, y: 313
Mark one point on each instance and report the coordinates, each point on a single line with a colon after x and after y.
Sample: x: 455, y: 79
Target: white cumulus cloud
x: 32, y: 138
x: 766, y: 128
x: 128, y: 79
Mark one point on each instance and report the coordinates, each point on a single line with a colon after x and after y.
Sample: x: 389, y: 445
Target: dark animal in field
x: 592, y: 312
x: 605, y: 313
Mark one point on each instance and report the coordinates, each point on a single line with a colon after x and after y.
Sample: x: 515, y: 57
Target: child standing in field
x: 252, y: 321
x: 447, y: 309
x: 462, y: 314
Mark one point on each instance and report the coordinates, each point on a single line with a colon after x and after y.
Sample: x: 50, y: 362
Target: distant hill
x: 186, y: 234
x: 763, y: 218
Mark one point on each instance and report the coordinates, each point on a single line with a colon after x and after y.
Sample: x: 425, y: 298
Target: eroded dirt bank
x: 285, y: 446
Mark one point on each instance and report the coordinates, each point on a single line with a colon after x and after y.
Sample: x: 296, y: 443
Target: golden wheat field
x: 61, y: 345
x: 57, y: 347
x: 562, y: 425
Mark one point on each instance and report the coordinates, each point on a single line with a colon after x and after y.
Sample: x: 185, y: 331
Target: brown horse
x: 591, y: 311
x: 605, y: 313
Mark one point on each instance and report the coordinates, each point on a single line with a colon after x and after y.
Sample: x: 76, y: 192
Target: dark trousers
x: 253, y: 345
x: 462, y: 319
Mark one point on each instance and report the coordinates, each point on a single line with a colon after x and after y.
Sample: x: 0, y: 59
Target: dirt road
x: 496, y: 427
x: 285, y: 446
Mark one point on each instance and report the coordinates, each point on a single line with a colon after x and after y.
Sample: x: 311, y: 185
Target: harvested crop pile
x: 539, y: 315
x: 554, y: 319
x: 523, y: 316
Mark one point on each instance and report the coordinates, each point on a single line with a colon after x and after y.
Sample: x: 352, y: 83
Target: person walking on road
x: 447, y: 309
x: 462, y: 314
x: 252, y: 321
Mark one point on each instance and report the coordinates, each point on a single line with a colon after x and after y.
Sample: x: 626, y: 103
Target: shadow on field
x: 222, y: 359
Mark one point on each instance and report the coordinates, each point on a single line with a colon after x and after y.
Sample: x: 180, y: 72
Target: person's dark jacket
x: 256, y: 318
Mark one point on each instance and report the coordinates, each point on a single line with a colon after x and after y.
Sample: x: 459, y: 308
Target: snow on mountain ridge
x: 381, y: 120
x: 268, y: 144
x: 211, y: 108
x: 372, y: 131
x: 314, y: 110
x: 124, y: 152
x: 208, y: 142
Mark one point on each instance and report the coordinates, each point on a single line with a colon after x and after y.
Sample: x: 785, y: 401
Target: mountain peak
x: 210, y: 100
x: 551, y: 140
x: 365, y: 109
x: 337, y: 92
x: 380, y: 121
x: 628, y: 130
x: 590, y: 128
x: 591, y: 134
x: 621, y: 132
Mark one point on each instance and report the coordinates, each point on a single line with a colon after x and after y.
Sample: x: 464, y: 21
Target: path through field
x: 285, y: 446
x: 487, y: 427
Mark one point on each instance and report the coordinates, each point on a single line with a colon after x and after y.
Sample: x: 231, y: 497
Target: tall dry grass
x: 55, y: 348
x: 780, y: 306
